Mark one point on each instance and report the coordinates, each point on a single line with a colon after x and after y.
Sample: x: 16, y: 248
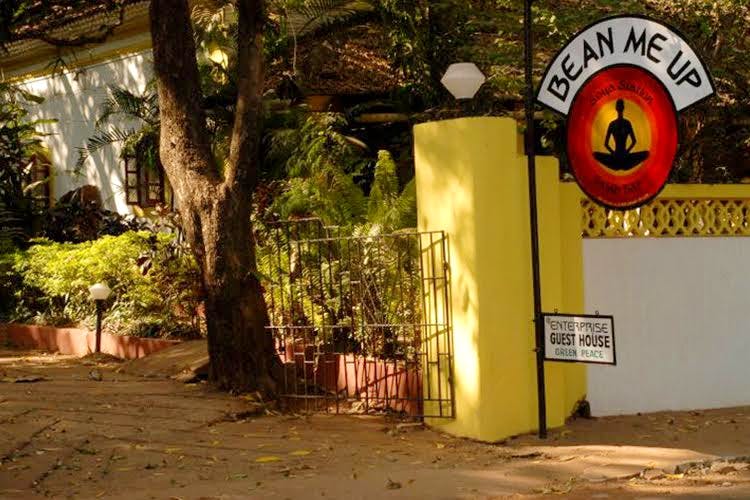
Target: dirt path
x: 73, y: 436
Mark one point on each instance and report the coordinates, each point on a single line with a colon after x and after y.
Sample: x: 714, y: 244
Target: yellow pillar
x: 471, y: 182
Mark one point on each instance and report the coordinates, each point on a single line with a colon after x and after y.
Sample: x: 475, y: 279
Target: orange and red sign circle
x: 622, y: 137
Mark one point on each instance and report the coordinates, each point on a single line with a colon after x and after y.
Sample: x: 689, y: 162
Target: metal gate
x: 361, y: 321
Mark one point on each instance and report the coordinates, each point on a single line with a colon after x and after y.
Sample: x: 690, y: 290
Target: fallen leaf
x: 300, y: 453
x: 392, y: 485
x: 532, y: 454
x: 267, y: 459
x: 28, y: 379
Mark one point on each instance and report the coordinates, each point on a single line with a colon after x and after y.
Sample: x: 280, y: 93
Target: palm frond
x: 124, y: 103
x: 100, y: 140
x: 313, y: 15
x: 32, y: 186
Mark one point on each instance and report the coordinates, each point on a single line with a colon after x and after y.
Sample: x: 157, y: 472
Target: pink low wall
x: 386, y: 383
x: 389, y: 383
x: 79, y: 342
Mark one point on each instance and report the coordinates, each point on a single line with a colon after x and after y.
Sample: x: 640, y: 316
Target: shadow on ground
x: 87, y: 430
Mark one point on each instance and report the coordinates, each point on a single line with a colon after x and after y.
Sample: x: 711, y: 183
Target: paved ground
x: 71, y: 435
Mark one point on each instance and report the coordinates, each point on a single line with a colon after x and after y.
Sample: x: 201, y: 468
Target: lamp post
x: 528, y: 40
x: 99, y: 293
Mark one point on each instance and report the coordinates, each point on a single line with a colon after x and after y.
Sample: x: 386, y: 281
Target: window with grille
x: 145, y: 186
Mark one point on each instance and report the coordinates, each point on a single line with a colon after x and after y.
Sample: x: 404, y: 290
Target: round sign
x: 622, y: 136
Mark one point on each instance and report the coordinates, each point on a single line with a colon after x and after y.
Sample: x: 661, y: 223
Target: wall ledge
x: 78, y: 342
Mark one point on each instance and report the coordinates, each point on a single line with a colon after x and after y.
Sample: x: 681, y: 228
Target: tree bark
x: 216, y: 207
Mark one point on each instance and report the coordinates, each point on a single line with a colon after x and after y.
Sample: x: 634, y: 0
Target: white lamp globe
x: 99, y: 291
x: 463, y: 80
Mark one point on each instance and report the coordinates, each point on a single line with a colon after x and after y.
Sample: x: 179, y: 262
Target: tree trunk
x: 241, y: 349
x: 216, y: 208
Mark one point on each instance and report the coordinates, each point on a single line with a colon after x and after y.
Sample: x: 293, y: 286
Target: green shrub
x: 154, y: 286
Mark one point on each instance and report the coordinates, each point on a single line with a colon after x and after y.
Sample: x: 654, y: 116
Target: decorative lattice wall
x: 668, y: 218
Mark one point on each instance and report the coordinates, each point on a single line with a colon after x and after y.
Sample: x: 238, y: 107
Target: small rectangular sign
x: 579, y: 338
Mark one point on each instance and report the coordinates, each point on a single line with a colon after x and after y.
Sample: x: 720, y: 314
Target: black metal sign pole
x: 531, y: 162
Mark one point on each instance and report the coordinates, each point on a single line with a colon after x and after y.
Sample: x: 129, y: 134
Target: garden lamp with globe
x: 99, y: 293
x: 463, y: 80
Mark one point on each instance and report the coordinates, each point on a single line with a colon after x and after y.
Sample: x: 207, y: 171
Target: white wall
x: 74, y: 100
x: 682, y: 322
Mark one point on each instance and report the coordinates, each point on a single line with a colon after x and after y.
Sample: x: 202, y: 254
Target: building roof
x: 45, y: 15
x: 350, y: 60
x: 65, y: 20
x: 26, y: 55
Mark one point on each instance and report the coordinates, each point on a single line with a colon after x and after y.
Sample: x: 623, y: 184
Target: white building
x: 337, y: 71
x: 74, y: 84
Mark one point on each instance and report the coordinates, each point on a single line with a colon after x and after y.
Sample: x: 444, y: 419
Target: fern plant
x: 326, y: 178
x: 389, y: 207
x: 320, y: 171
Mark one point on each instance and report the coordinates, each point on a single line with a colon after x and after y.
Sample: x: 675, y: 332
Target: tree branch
x: 244, y: 146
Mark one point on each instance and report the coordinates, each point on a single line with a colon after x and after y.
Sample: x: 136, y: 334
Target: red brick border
x: 78, y: 342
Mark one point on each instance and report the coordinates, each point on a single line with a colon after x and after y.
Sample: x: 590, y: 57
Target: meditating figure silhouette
x: 620, y: 158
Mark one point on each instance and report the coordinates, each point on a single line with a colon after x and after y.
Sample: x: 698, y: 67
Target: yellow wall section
x: 471, y: 183
x: 681, y: 210
x: 701, y: 191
